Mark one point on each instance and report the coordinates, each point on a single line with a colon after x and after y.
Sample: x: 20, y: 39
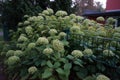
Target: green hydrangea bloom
x: 31, y: 46
x: 88, y: 52
x: 58, y: 45
x: 101, y: 33
x: 18, y: 53
x: 117, y: 29
x: 22, y: 38
x: 50, y: 11
x: 116, y: 34
x: 47, y: 51
x: 110, y: 20
x: 77, y: 53
x: 75, y: 29
x: 108, y: 53
x: 29, y: 30
x: 100, y: 19
x: 46, y: 12
x: 42, y: 40
x: 61, y: 13
x: 32, y: 19
x: 26, y: 16
x: 32, y: 70
x: 72, y: 16
x: 13, y: 60
x: 10, y: 53
x: 26, y: 23
x: 52, y: 32
x: 62, y: 34
x: 20, y: 24
x: 102, y: 77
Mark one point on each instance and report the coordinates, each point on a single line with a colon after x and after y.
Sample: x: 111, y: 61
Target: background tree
x: 83, y: 5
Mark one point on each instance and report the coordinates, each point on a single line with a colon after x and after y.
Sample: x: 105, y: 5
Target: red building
x: 112, y: 10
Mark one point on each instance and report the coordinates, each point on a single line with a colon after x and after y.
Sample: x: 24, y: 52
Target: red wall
x: 113, y: 5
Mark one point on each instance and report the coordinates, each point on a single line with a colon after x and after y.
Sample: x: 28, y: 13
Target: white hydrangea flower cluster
x: 22, y: 38
x: 102, y: 77
x: 48, y: 51
x: 61, y: 13
x: 32, y: 70
x: 108, y: 53
x: 62, y: 34
x: 13, y: 60
x: 52, y: 32
x: 29, y: 30
x: 10, y: 53
x: 50, y: 11
x: 26, y: 23
x: 72, y: 16
x: 18, y: 53
x: 45, y: 12
x: 111, y: 20
x: 77, y: 53
x: 100, y: 19
x: 31, y: 46
x: 75, y: 29
x: 42, y: 40
x: 58, y: 45
x: 88, y: 52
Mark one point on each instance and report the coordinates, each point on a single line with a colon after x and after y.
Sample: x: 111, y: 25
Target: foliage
x: 43, y: 48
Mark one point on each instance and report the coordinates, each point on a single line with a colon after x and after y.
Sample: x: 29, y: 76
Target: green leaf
x: 47, y: 73
x: 91, y: 68
x: 78, y: 63
x: 57, y: 64
x: 38, y: 62
x: 101, y: 67
x: 70, y: 57
x: 82, y: 73
x: 43, y: 63
x: 67, y: 66
x: 60, y: 71
x: 49, y: 64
